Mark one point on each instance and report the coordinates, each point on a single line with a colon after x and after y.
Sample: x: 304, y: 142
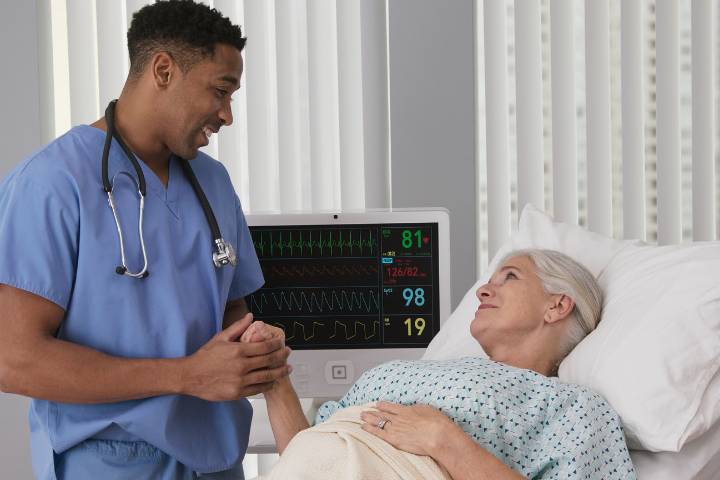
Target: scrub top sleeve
x: 248, y: 274
x: 38, y: 241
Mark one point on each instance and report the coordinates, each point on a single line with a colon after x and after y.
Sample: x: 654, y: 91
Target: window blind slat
x: 293, y: 131
x: 703, y: 120
x: 564, y: 117
x: 323, y: 86
x: 82, y: 61
x: 350, y: 105
x: 599, y: 153
x: 669, y: 201
x: 496, y: 108
x: 260, y: 68
x: 528, y: 68
x: 633, y: 126
x: 112, y: 45
x: 240, y: 173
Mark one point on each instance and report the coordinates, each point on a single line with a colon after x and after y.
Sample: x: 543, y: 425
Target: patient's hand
x: 259, y: 331
x: 414, y: 429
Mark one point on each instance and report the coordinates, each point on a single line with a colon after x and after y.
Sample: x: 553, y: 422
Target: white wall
x: 431, y: 120
x: 19, y: 85
x: 19, y: 136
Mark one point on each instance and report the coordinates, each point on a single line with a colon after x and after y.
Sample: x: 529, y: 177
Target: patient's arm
x: 286, y: 414
x: 425, y: 430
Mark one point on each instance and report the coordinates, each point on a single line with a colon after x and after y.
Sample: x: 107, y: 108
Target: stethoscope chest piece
x: 224, y: 255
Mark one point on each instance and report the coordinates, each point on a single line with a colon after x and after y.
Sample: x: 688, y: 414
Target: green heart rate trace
x: 347, y: 242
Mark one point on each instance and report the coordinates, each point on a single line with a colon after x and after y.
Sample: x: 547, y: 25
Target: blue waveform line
x: 315, y: 301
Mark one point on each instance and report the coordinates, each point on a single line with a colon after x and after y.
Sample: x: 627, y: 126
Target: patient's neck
x: 527, y: 355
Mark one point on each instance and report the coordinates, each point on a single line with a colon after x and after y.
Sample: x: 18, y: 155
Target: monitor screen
x: 363, y: 286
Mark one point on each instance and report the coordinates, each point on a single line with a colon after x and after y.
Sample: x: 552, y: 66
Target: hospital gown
x: 540, y: 427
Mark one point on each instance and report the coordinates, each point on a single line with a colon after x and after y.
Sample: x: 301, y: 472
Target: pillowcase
x: 656, y: 350
x: 536, y: 229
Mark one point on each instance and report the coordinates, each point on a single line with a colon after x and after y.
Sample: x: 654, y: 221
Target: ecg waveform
x: 315, y: 243
x: 282, y: 303
x: 314, y: 271
x: 319, y: 331
x: 320, y: 272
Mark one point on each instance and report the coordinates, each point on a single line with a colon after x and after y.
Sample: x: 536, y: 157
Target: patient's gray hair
x: 560, y: 274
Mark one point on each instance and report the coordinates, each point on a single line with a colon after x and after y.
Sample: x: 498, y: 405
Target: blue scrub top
x: 58, y: 239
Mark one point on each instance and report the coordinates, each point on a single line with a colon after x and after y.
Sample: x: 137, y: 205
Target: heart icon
x: 425, y: 240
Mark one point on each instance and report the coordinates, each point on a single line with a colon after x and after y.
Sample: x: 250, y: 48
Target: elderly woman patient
x: 508, y: 417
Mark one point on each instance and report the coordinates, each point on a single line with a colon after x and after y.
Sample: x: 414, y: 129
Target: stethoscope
x: 225, y: 253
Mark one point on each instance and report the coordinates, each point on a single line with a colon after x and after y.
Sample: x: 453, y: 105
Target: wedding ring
x: 381, y: 423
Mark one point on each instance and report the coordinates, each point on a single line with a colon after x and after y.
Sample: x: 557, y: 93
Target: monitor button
x: 339, y: 372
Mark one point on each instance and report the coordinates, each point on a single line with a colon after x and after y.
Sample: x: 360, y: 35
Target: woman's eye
x: 510, y: 275
x: 222, y: 92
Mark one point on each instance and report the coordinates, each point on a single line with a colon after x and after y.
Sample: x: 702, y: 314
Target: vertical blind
x: 298, y: 139
x: 603, y: 113
x: 631, y: 130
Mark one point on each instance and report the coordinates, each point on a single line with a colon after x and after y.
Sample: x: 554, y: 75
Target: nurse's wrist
x: 180, y: 376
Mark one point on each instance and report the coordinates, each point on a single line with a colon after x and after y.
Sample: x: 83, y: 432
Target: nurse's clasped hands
x: 226, y: 368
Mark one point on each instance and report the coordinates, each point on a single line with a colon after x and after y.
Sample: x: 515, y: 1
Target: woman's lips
x: 484, y: 306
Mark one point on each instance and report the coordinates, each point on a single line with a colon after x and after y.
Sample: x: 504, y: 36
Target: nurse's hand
x: 228, y: 369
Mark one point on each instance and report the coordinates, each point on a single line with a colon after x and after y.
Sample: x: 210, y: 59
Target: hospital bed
x: 654, y: 356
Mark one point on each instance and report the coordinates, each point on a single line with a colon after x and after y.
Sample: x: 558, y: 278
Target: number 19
x: 419, y: 324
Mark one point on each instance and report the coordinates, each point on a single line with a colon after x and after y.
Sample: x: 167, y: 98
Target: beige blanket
x: 339, y: 449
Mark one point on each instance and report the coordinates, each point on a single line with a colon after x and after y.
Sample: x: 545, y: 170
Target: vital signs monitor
x: 351, y: 290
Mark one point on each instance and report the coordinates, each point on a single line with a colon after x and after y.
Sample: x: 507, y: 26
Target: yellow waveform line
x: 295, y: 330
x: 356, y: 329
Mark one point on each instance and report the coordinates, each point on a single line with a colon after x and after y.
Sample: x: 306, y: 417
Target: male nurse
x: 136, y: 378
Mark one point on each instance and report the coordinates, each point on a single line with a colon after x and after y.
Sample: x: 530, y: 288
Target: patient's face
x: 512, y: 307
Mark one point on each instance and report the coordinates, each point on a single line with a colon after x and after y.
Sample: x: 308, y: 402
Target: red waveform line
x: 317, y: 271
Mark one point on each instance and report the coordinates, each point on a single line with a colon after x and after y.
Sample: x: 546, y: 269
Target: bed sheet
x: 697, y: 460
x: 540, y: 427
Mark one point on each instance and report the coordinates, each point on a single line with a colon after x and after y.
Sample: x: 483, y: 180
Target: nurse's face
x: 200, y: 103
x: 512, y: 306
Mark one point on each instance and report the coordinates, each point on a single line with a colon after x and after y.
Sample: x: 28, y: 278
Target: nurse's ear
x: 163, y: 69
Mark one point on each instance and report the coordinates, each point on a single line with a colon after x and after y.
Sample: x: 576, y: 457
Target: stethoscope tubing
x: 225, y: 254
x: 124, y: 270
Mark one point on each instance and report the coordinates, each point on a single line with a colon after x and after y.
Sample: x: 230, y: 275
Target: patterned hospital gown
x: 540, y: 427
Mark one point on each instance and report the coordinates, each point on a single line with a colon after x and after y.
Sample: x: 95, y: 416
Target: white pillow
x: 672, y: 359
x: 657, y: 347
x: 536, y: 229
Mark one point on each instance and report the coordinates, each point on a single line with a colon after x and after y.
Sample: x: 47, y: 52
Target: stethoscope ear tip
x: 120, y: 270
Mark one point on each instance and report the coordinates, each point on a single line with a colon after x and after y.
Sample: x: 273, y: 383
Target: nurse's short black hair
x: 186, y: 30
